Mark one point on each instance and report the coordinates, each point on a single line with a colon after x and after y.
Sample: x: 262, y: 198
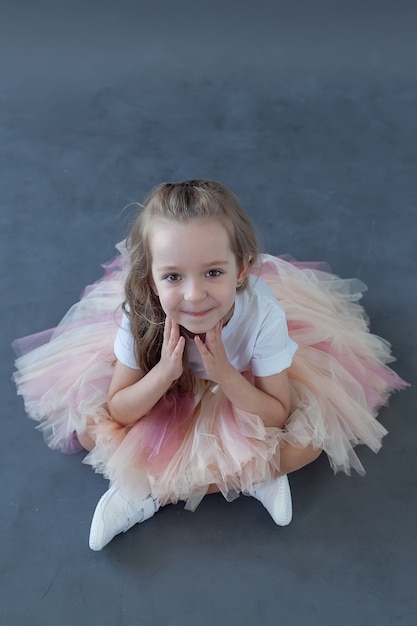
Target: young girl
x: 198, y: 365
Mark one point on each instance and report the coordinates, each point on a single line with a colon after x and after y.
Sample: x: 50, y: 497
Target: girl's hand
x: 172, y: 351
x: 213, y: 355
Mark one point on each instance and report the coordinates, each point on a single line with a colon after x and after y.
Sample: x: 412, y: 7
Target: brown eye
x: 172, y: 278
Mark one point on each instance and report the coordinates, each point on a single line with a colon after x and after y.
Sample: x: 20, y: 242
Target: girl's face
x: 194, y: 272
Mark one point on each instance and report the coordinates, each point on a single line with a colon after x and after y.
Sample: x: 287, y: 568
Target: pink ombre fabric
x: 339, y: 379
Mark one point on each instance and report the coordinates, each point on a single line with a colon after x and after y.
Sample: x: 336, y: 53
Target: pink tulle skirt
x: 339, y: 378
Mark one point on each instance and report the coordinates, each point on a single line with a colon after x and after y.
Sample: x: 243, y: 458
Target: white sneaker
x: 275, y: 495
x: 115, y: 513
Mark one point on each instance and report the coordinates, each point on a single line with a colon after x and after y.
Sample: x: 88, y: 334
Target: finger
x: 167, y: 328
x: 179, y: 348
x: 213, y: 336
x: 201, y: 346
x: 210, y: 334
x: 175, y: 332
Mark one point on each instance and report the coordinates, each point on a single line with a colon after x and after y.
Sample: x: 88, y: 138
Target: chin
x: 196, y: 329
x: 199, y: 328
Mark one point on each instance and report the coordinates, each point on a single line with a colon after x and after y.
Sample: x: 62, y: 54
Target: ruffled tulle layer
x: 339, y: 379
x: 184, y: 445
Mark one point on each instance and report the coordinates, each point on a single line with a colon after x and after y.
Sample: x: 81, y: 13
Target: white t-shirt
x: 256, y: 336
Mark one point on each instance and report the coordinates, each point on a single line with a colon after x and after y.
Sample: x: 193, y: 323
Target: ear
x: 243, y: 272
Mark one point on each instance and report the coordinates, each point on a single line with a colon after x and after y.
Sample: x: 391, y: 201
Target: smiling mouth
x: 197, y: 313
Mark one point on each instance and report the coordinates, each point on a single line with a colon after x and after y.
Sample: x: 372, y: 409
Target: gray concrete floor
x: 308, y: 111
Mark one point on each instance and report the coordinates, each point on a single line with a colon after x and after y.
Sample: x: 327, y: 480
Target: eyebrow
x: 171, y: 268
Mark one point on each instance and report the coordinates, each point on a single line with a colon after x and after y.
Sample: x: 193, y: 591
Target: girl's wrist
x: 164, y: 376
x: 231, y: 376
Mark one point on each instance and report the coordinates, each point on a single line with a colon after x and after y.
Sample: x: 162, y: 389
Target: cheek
x: 230, y: 290
x: 227, y: 297
x: 167, y: 300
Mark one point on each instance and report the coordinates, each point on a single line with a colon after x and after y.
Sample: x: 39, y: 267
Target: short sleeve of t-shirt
x: 124, y: 345
x: 274, y: 349
x: 257, y: 336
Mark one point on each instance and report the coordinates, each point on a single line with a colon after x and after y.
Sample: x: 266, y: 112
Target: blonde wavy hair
x: 180, y: 202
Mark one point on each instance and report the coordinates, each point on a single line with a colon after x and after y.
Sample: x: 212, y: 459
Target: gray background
x: 307, y: 110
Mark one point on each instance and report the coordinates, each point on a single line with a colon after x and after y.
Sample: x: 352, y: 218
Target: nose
x: 194, y: 291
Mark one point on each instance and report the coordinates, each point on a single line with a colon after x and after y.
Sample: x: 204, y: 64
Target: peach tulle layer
x: 339, y: 379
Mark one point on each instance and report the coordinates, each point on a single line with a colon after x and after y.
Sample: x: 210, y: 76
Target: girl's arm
x: 269, y: 397
x: 132, y: 393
